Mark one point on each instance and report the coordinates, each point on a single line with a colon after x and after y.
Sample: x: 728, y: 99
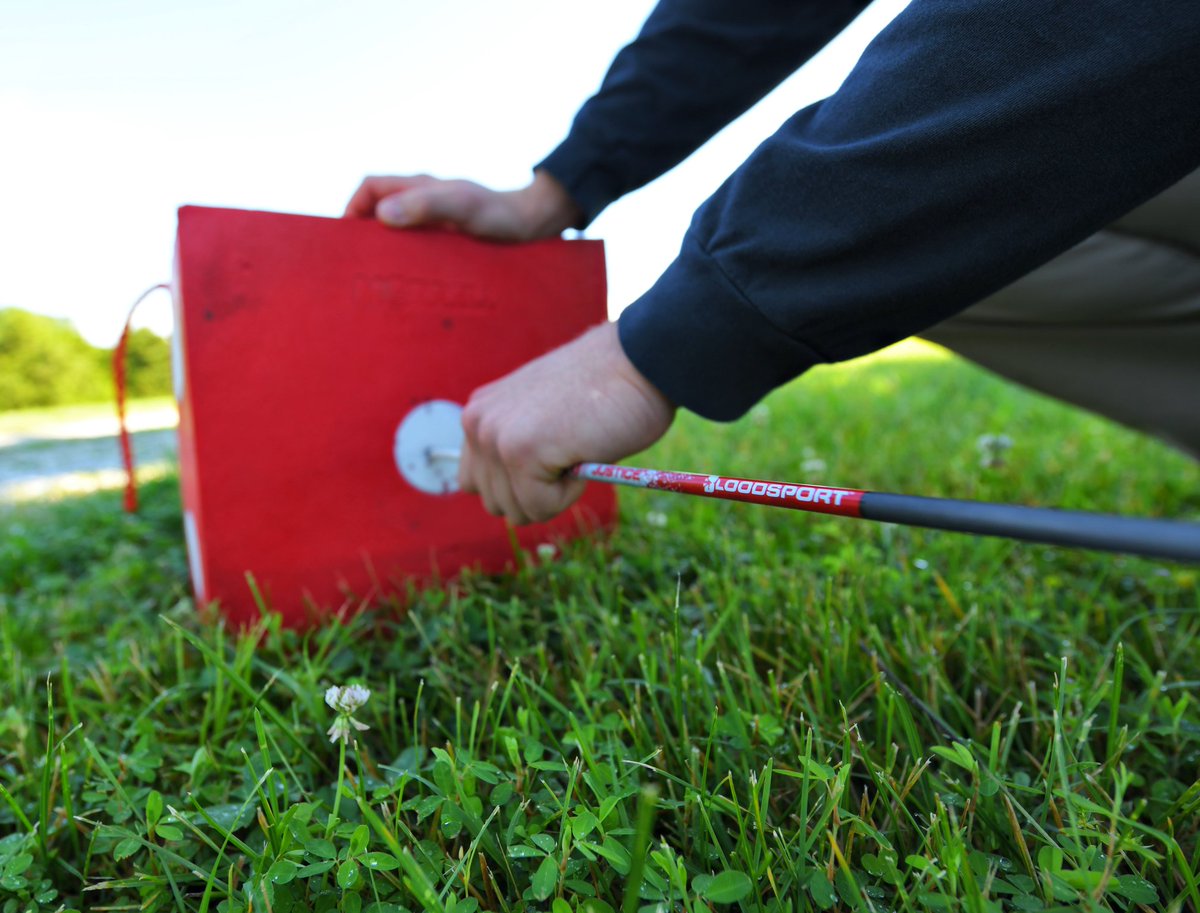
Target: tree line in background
x: 45, y: 362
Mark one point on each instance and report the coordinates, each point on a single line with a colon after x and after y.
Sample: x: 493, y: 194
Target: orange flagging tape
x: 131, y: 499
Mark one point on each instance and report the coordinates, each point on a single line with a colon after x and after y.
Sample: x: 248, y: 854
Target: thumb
x: 443, y: 202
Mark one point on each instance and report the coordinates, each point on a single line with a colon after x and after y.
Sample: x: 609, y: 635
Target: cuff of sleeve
x: 573, y: 165
x: 703, y: 345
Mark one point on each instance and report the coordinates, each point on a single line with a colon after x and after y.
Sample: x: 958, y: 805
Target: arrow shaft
x: 1106, y: 532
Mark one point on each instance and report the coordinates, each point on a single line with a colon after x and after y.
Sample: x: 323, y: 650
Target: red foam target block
x: 302, y: 344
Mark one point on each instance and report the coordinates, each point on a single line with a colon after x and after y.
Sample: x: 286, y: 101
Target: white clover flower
x: 656, y: 518
x: 813, y: 464
x: 340, y: 730
x: 992, y: 448
x: 989, y: 442
x: 346, y: 698
x: 546, y: 551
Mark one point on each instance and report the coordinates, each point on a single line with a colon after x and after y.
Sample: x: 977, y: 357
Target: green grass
x: 719, y: 707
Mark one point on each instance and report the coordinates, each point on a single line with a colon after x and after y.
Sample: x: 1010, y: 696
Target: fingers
x: 497, y: 494
x: 407, y: 201
x: 480, y: 471
x: 545, y: 499
x: 504, y: 471
x: 466, y: 470
x: 521, y: 500
x: 442, y: 202
x: 424, y: 201
x: 373, y: 189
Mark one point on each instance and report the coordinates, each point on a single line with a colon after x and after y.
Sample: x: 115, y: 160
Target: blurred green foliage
x: 45, y: 362
x: 148, y: 364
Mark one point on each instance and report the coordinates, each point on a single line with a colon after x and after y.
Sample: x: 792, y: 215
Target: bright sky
x: 116, y: 112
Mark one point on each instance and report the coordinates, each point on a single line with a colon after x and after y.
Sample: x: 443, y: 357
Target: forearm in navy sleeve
x: 695, y: 66
x: 973, y: 142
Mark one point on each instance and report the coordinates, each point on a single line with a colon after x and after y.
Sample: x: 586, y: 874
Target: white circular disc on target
x: 427, y: 446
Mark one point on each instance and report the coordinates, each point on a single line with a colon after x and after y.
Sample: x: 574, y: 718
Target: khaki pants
x: 1112, y: 325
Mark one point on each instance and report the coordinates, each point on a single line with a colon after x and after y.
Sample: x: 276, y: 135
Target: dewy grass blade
x: 417, y: 881
x: 1118, y: 676
x: 17, y: 811
x: 48, y: 765
x: 647, y: 803
x: 227, y: 833
x: 243, y: 686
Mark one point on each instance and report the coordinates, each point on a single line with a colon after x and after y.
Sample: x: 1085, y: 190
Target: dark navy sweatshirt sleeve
x: 974, y: 141
x: 694, y: 67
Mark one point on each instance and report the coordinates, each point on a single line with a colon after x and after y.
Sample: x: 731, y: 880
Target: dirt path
x: 50, y: 455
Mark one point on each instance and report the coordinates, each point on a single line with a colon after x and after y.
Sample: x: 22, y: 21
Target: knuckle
x: 472, y: 413
x: 487, y: 435
x: 513, y: 449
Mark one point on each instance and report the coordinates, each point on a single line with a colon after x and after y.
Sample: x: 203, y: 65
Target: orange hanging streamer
x: 118, y: 361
